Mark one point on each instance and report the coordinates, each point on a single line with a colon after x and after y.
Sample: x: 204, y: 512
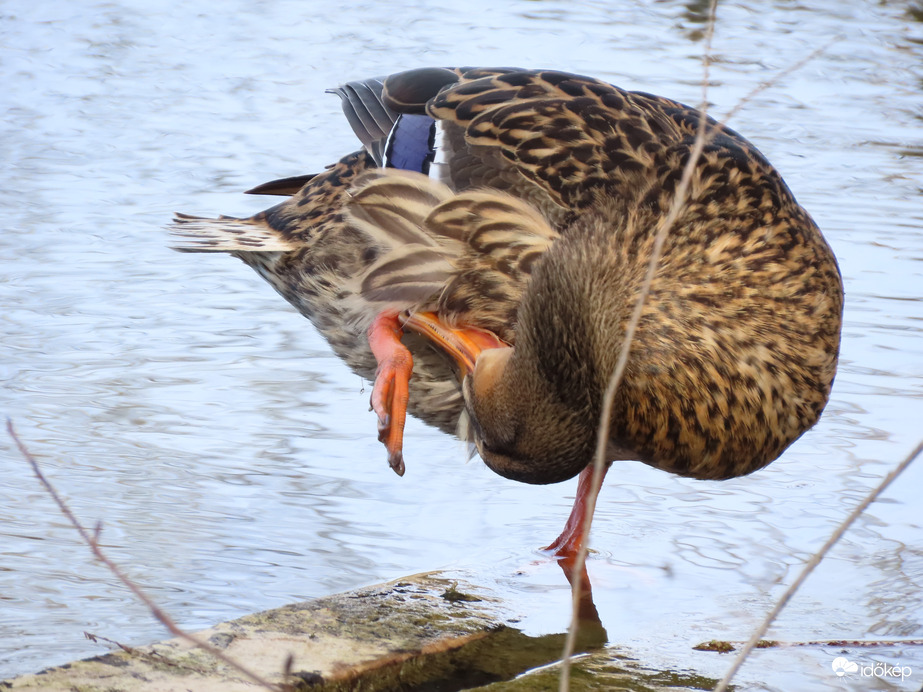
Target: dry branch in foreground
x: 92, y: 542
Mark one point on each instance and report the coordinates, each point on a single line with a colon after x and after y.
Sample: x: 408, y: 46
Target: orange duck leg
x: 576, y: 529
x: 391, y: 391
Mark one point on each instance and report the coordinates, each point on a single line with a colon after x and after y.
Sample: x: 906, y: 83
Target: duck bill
x: 464, y: 344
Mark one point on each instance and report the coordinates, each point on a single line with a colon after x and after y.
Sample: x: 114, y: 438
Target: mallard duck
x: 516, y: 238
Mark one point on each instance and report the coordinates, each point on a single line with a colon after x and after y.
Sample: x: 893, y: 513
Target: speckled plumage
x: 554, y: 185
x: 737, y: 345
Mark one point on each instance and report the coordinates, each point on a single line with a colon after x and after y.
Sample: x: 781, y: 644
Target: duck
x: 497, y: 234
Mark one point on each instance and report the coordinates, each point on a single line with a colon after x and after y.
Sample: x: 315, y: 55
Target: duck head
x: 522, y: 432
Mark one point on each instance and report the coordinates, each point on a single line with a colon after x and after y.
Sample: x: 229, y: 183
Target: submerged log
x: 402, y: 633
x: 429, y: 631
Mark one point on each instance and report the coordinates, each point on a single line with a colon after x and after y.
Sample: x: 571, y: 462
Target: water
x: 230, y: 457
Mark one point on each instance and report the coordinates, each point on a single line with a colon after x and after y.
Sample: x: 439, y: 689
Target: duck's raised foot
x: 391, y: 391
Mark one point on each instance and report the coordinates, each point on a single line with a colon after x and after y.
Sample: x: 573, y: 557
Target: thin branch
x: 602, y: 434
x: 92, y: 542
x: 812, y: 563
x: 769, y: 83
x: 155, y: 657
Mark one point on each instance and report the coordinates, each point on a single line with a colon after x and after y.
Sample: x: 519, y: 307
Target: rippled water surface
x: 231, y: 458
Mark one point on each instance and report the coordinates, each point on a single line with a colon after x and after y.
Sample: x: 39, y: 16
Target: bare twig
x: 602, y: 434
x: 154, y: 657
x: 812, y: 563
x: 92, y: 542
x: 97, y: 638
x: 778, y: 77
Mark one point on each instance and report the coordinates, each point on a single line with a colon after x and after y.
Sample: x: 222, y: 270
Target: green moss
x: 453, y: 595
x: 715, y: 645
x: 605, y: 671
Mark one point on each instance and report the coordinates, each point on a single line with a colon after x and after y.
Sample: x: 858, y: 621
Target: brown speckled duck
x: 516, y: 239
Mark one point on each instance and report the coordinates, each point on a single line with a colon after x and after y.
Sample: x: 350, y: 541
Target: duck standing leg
x: 568, y: 544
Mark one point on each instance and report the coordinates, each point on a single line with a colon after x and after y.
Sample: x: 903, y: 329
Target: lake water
x: 230, y: 456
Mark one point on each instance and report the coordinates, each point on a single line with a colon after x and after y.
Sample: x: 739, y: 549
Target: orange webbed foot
x: 566, y: 546
x: 391, y: 391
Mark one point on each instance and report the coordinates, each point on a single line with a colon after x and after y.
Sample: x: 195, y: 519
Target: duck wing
x: 548, y: 137
x: 466, y: 256
x: 367, y: 114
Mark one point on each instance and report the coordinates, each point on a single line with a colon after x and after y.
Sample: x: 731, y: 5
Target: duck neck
x: 542, y: 415
x: 574, y: 316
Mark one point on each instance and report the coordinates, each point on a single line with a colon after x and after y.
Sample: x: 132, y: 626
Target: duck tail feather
x: 225, y: 234
x: 284, y: 187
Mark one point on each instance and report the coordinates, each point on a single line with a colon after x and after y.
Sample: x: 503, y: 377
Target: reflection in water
x: 589, y: 627
x: 697, y: 13
x: 228, y: 453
